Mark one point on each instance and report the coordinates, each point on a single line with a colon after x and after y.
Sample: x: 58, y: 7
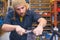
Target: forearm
x: 39, y: 29
x: 8, y: 27
x: 42, y: 22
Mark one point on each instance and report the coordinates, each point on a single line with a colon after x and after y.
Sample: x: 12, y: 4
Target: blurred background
x: 49, y: 9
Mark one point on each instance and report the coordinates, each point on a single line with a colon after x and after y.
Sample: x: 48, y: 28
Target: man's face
x: 21, y: 10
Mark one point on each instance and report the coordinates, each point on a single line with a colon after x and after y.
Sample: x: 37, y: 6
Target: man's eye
x: 22, y: 8
x: 17, y: 9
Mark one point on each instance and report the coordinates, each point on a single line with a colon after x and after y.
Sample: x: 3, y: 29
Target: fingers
x: 38, y: 31
x: 20, y: 30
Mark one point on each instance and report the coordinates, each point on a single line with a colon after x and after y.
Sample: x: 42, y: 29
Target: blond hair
x: 20, y: 2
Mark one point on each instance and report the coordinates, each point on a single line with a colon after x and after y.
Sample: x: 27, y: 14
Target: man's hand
x: 38, y: 31
x: 20, y: 30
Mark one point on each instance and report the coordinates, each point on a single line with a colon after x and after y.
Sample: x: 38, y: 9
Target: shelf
x: 48, y: 24
x: 37, y: 24
x: 46, y: 15
x: 42, y: 10
x: 39, y: 3
x: 58, y: 21
x: 48, y: 20
x: 42, y: 5
x: 57, y: 0
x: 47, y: 29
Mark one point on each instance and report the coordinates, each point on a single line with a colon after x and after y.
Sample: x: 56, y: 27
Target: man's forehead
x: 19, y: 6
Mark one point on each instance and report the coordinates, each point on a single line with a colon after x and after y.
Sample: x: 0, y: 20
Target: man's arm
x: 8, y: 27
x: 39, y: 29
x: 17, y: 28
x: 42, y: 22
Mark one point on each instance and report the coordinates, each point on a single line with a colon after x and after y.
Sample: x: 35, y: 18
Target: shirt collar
x: 27, y: 12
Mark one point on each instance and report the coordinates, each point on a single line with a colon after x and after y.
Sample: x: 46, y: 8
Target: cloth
x: 29, y: 18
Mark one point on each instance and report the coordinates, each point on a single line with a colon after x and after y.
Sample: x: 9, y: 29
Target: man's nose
x: 21, y: 10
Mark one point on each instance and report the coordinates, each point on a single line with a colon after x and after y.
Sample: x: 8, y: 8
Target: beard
x: 22, y: 14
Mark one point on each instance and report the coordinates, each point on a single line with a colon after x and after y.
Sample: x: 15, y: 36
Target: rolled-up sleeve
x: 1, y: 23
x: 7, y: 19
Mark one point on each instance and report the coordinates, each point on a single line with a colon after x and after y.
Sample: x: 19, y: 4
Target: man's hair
x: 20, y: 2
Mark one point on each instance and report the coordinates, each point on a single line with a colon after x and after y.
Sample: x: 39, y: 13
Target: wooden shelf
x: 48, y: 24
x: 39, y: 3
x: 42, y: 10
x: 47, y: 29
x: 58, y: 21
x: 42, y: 5
x: 57, y: 0
x: 46, y: 15
x: 48, y: 20
x: 37, y: 24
